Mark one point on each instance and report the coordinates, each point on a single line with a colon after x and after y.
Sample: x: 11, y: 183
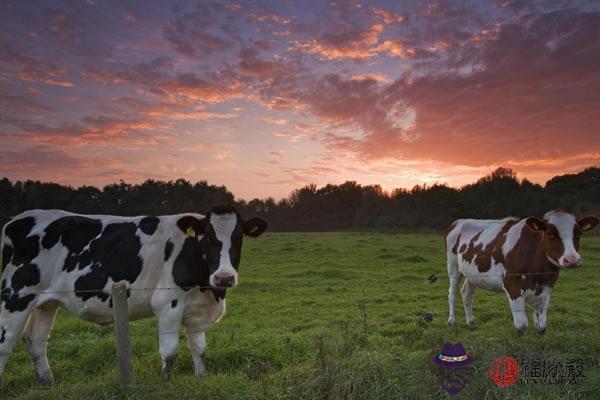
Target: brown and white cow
x: 520, y: 257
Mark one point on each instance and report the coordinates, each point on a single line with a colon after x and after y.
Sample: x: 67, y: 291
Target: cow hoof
x: 165, y: 375
x: 46, y: 380
x: 472, y: 326
x: 451, y: 322
x: 541, y: 331
x: 521, y: 331
x: 167, y: 368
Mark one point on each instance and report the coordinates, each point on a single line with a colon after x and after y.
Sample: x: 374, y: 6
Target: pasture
x: 295, y: 329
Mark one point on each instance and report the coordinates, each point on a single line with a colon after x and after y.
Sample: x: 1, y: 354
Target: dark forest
x: 344, y: 207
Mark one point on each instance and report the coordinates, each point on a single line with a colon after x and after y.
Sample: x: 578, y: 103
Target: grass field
x: 295, y: 329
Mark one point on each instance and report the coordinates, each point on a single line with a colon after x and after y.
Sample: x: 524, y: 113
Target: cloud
x: 275, y: 121
x: 251, y: 65
x: 262, y: 15
x: 15, y: 105
x: 160, y: 78
x: 354, y: 32
x: 292, y: 137
x: 46, y: 163
x: 31, y: 161
x: 28, y: 69
x: 91, y: 131
x: 346, y: 43
x: 530, y: 97
x: 198, y: 33
x: 176, y: 110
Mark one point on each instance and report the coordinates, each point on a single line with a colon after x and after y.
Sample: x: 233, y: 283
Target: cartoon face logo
x: 454, y: 367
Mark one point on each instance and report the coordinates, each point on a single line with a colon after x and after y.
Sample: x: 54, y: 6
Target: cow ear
x: 254, y: 227
x: 588, y: 223
x: 536, y: 224
x: 191, y: 226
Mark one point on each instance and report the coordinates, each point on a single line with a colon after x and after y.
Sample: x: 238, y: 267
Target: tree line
x: 348, y: 206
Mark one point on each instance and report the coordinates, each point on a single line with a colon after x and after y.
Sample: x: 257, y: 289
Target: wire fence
x: 432, y: 279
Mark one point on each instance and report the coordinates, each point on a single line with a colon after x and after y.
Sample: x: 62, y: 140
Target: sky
x: 268, y: 96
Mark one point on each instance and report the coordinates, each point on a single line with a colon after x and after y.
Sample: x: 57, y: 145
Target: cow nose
x: 572, y: 261
x: 225, y: 280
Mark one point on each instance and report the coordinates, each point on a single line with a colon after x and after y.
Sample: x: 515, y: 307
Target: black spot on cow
x: 174, y: 303
x: 27, y: 275
x: 25, y: 248
x: 3, y: 335
x: 189, y: 267
x: 20, y: 228
x: 73, y: 232
x: 114, y: 255
x: 10, y: 296
x: 70, y: 262
x: 148, y: 225
x: 92, y: 285
x: 168, y: 249
x: 6, y: 255
x: 85, y: 259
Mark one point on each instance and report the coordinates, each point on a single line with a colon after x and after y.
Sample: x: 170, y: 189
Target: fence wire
x: 358, y: 300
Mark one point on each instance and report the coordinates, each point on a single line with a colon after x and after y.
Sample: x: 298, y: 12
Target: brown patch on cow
x: 472, y: 249
x: 527, y: 266
x: 450, y: 228
x: 482, y: 256
x: 456, y: 244
x: 554, y: 244
x: 463, y: 247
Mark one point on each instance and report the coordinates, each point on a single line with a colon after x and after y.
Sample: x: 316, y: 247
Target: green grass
x: 294, y: 329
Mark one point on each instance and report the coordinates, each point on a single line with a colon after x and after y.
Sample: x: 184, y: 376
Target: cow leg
x: 454, y: 278
x: 11, y: 328
x: 169, y: 325
x: 197, y: 344
x: 517, y: 306
x: 467, y: 291
x: 35, y: 337
x: 540, y: 310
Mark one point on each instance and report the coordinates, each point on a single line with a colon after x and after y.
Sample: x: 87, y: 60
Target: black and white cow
x: 175, y: 267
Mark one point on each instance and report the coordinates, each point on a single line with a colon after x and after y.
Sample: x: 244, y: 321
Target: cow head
x: 220, y: 234
x: 561, y: 232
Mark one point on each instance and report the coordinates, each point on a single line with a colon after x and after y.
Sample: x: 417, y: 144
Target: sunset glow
x: 264, y: 97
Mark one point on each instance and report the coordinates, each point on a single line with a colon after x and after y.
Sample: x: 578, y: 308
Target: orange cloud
x: 275, y: 121
x: 387, y: 16
x: 292, y: 137
x: 347, y: 44
x: 261, y: 15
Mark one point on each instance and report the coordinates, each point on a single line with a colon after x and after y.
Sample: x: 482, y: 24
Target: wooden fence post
x: 121, y: 322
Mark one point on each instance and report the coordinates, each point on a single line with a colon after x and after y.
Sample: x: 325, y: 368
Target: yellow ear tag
x: 190, y: 232
x: 254, y: 229
x: 586, y: 227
